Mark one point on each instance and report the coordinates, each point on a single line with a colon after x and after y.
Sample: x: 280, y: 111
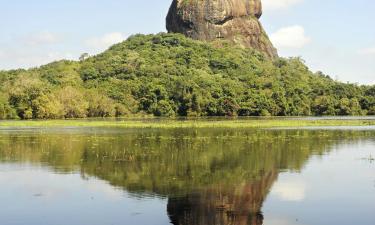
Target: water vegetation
x: 191, y: 123
x: 171, y: 75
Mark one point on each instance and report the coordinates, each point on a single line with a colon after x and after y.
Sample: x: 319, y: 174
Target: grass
x: 170, y: 123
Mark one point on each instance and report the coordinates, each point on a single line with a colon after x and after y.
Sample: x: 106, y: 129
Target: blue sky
x: 334, y: 36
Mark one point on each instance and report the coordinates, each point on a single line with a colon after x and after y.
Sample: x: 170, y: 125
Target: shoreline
x: 200, y: 123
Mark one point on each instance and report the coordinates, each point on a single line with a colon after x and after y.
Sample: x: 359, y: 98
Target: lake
x: 187, y: 176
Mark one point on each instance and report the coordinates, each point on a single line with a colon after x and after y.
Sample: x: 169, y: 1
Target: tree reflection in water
x: 210, y: 177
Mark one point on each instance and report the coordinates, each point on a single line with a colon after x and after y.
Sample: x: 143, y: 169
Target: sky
x: 333, y: 36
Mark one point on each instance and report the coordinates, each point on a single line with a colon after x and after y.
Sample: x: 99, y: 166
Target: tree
x: 84, y: 56
x: 163, y: 108
x: 100, y: 105
x: 73, y: 101
x: 23, y: 90
x: 48, y: 107
x: 6, y: 111
x: 171, y: 75
x: 324, y: 106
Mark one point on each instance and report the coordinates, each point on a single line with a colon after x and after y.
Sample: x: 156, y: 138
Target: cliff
x: 234, y: 20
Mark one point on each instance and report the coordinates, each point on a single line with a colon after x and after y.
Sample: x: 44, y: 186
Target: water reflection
x: 209, y: 177
x: 237, y: 204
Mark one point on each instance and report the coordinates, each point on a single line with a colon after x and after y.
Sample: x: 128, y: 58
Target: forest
x: 169, y: 75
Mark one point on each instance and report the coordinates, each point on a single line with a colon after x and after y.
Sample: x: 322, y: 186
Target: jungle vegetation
x: 171, y: 75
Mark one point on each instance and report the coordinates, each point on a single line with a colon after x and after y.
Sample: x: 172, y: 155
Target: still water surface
x: 187, y: 176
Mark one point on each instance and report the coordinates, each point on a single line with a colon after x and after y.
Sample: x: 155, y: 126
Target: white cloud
x: 31, y: 50
x: 290, y: 37
x: 42, y: 59
x: 293, y: 191
x: 101, y: 43
x: 98, y: 186
x: 367, y: 51
x: 16, y: 58
x: 279, y: 4
x: 41, y: 38
x: 281, y: 221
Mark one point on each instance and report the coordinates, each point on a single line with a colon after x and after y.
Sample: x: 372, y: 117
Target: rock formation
x: 234, y: 20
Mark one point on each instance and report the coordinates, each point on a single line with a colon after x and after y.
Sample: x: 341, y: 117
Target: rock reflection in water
x: 210, y: 177
x: 233, y: 205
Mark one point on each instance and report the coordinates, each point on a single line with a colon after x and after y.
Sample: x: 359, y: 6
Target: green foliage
x: 49, y: 107
x: 6, y: 111
x: 73, y: 101
x: 171, y: 75
x: 23, y: 91
x: 100, y: 105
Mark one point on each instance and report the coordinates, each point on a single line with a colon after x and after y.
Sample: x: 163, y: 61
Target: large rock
x: 234, y: 20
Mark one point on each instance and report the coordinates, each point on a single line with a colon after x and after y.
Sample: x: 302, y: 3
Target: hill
x: 171, y: 75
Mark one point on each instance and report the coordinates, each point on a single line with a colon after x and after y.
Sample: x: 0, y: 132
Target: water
x: 98, y: 176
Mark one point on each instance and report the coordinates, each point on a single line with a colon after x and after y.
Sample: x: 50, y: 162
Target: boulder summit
x: 233, y: 20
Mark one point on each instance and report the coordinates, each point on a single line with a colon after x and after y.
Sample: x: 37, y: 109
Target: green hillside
x: 170, y: 75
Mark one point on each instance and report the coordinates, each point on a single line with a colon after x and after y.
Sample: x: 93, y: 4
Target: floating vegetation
x: 174, y: 123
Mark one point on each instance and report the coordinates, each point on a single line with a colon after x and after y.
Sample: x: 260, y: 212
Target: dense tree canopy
x: 170, y: 75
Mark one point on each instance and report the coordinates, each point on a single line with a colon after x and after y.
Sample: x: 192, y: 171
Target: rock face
x: 234, y: 20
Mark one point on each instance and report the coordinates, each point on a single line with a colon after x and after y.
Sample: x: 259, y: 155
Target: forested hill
x: 171, y: 75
